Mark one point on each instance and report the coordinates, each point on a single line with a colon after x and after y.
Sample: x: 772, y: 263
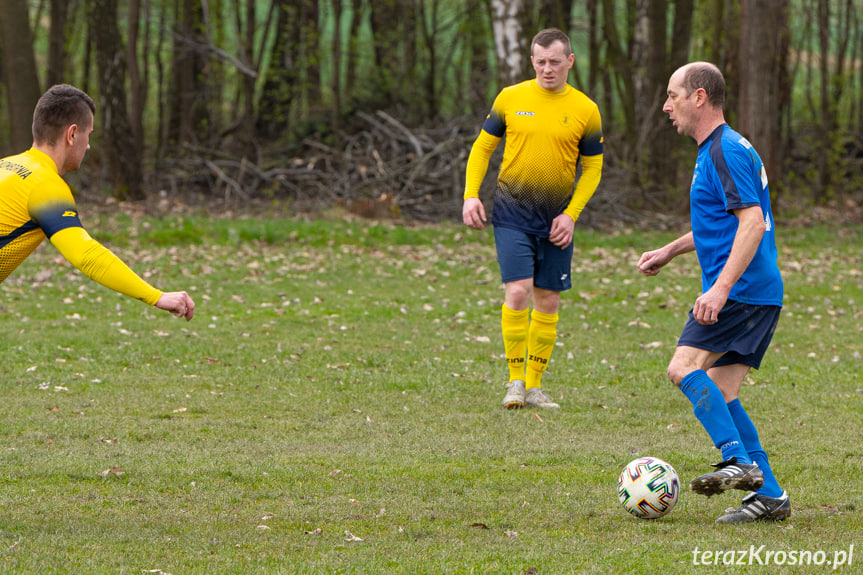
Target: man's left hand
x: 708, y: 305
x: 561, y: 231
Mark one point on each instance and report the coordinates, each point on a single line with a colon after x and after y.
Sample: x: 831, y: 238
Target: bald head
x: 705, y: 76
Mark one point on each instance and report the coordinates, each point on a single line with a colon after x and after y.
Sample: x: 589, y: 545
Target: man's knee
x: 677, y: 370
x: 518, y: 294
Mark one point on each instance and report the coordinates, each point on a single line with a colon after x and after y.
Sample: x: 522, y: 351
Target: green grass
x: 344, y: 377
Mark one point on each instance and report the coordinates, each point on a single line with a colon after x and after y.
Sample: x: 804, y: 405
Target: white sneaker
x: 536, y: 397
x: 514, y: 398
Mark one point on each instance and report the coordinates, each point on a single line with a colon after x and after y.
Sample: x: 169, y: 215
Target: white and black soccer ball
x: 648, y: 487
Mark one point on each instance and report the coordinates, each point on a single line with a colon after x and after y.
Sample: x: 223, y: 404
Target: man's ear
x: 70, y: 134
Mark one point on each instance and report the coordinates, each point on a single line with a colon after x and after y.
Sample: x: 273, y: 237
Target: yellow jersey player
x: 36, y: 203
x: 549, y: 126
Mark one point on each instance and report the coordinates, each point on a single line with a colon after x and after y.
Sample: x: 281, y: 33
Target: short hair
x: 706, y: 76
x: 59, y: 107
x: 549, y: 36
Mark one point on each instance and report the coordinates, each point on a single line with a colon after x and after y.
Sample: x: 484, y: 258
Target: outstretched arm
x: 99, y: 264
x: 651, y: 262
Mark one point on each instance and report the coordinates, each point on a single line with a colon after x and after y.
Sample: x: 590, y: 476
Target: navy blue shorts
x: 523, y: 256
x: 742, y: 332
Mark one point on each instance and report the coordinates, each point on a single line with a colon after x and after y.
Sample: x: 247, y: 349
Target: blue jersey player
x: 732, y: 322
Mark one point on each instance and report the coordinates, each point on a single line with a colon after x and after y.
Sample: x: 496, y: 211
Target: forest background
x: 372, y: 105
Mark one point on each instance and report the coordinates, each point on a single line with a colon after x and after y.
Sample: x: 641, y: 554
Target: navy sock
x: 711, y: 410
x: 749, y: 437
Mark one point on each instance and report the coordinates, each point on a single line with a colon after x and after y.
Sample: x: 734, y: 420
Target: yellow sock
x: 514, y: 325
x: 540, y: 343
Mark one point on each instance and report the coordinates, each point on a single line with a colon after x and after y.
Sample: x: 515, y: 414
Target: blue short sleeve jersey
x: 729, y: 175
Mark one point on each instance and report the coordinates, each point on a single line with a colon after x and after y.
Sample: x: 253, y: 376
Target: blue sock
x: 749, y: 436
x: 712, y: 411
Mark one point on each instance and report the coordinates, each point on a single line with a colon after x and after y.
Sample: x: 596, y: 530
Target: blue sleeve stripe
x: 494, y: 125
x: 729, y: 186
x: 590, y: 146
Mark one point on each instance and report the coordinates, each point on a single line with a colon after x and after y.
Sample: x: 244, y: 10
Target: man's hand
x: 651, y: 262
x: 708, y: 305
x: 178, y: 303
x: 473, y: 213
x: 561, y: 231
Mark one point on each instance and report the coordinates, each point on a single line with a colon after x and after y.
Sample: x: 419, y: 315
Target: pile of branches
x: 381, y: 170
x: 385, y: 170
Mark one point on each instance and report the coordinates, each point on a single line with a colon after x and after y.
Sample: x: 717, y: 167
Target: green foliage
x: 334, y: 407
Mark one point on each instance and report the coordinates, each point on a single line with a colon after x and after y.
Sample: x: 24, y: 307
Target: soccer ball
x: 648, y: 487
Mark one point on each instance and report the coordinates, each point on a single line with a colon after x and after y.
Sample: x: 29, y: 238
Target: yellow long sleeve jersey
x: 546, y: 135
x: 35, y: 203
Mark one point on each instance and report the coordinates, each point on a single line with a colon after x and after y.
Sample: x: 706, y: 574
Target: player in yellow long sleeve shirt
x: 35, y: 202
x: 549, y: 127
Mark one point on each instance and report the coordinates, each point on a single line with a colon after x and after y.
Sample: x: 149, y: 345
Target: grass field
x: 334, y: 407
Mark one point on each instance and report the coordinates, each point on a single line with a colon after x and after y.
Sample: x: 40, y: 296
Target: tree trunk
x: 592, y: 46
x: 246, y: 24
x: 311, y: 55
x: 277, y: 94
x: 19, y: 63
x: 620, y: 74
x: 57, y: 42
x: 827, y: 119
x: 122, y: 154
x: 136, y: 86
x: 507, y: 20
x: 337, y: 76
x: 187, y: 98
x: 388, y: 23
x: 354, y: 46
x: 763, y: 93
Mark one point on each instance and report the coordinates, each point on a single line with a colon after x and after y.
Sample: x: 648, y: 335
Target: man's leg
x: 688, y: 370
x: 729, y: 378
x: 515, y: 322
x: 542, y: 335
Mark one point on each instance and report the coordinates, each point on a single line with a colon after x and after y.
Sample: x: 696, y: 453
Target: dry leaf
x: 351, y: 537
x: 116, y: 471
x: 317, y: 531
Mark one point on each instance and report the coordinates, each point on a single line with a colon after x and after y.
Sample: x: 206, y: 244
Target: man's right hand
x: 651, y: 262
x: 178, y: 303
x: 473, y: 213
